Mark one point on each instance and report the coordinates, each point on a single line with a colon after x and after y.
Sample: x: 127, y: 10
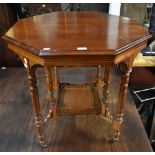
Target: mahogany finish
x: 77, y: 39
x: 64, y: 32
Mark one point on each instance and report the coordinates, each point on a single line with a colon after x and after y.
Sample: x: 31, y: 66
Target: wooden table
x: 77, y: 39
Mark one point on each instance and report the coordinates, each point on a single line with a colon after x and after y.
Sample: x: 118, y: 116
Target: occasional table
x: 77, y: 39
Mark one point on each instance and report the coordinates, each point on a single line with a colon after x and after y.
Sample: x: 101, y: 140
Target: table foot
x: 39, y: 130
x: 43, y: 144
x: 117, y: 126
x: 117, y: 135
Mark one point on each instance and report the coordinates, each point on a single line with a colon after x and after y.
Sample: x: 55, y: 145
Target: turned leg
x: 49, y: 84
x: 36, y: 105
x: 99, y: 82
x: 106, y: 87
x: 55, y: 90
x: 100, y: 85
x: 56, y: 82
x: 103, y: 86
x: 121, y: 103
x: 106, y: 80
x: 99, y: 78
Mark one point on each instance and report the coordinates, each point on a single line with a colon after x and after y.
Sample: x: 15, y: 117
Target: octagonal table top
x: 73, y: 33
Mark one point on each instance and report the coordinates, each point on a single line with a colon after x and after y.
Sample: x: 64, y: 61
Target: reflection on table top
x: 64, y: 32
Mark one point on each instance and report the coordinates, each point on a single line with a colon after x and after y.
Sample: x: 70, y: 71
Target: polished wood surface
x: 64, y: 32
x: 67, y: 133
x: 75, y: 39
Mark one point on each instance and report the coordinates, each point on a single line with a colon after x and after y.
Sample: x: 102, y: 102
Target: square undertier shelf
x: 78, y: 99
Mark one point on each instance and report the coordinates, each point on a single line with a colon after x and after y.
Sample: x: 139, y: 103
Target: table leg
x: 56, y: 80
x: 121, y: 103
x: 106, y: 87
x: 55, y: 90
x: 36, y: 105
x: 100, y: 85
x: 49, y: 83
x: 103, y: 86
x: 99, y: 78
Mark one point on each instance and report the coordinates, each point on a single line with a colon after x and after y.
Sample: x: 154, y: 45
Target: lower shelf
x: 78, y: 100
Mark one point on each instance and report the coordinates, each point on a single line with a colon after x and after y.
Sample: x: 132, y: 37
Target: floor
x: 146, y: 109
x: 67, y: 133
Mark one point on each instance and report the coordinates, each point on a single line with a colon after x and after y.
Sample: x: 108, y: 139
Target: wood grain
x: 64, y: 32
